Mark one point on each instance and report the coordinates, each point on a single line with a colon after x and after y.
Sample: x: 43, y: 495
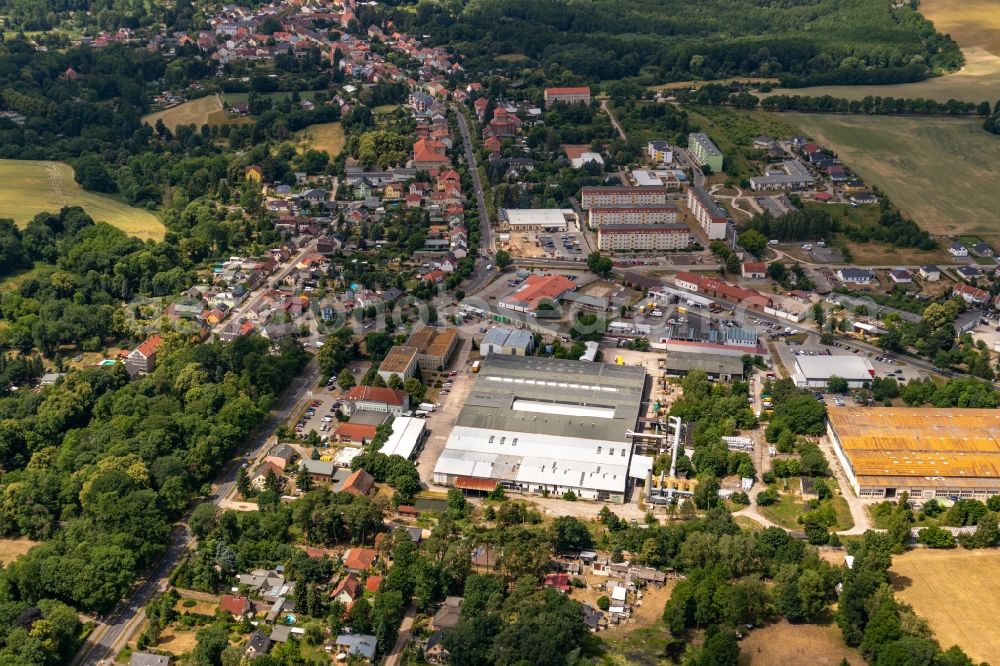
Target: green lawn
x: 790, y: 507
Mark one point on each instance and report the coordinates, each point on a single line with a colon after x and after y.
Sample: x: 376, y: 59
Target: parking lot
x: 553, y: 245
x: 318, y: 415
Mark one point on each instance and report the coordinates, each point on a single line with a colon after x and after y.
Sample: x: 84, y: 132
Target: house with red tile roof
x: 377, y: 399
x: 373, y: 583
x: 354, y: 433
x: 558, y: 581
x: 429, y: 154
x: 359, y: 559
x: 239, y: 607
x: 358, y: 483
x: 142, y: 359
x: 347, y: 590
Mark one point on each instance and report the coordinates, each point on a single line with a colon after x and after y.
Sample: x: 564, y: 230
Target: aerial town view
x: 499, y: 332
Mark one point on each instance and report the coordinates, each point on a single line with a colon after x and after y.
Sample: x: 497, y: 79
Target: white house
x: 855, y: 275
x: 958, y: 250
x: 930, y: 273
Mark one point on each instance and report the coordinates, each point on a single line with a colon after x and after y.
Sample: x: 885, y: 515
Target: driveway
x: 441, y: 421
x: 405, y: 629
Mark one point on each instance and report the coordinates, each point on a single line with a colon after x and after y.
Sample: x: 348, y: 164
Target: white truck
x: 427, y: 406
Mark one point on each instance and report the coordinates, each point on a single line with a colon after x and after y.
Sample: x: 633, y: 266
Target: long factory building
x: 928, y: 453
x: 539, y: 424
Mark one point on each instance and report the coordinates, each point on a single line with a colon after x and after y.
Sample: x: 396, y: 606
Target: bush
x: 936, y: 537
x: 569, y: 496
x: 603, y: 603
x: 189, y: 603
x: 768, y: 497
x: 740, y: 498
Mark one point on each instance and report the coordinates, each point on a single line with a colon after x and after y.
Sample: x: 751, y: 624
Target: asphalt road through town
x: 110, y: 635
x: 480, y: 274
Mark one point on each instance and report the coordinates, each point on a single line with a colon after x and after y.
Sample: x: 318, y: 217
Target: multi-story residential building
x: 628, y: 237
x: 704, y: 152
x: 709, y: 214
x: 655, y: 214
x: 659, y: 152
x: 650, y: 195
x: 573, y: 95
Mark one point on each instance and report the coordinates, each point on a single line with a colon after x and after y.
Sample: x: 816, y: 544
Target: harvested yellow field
x: 785, y: 644
x: 204, y: 110
x: 11, y: 549
x: 957, y: 592
x: 325, y: 136
x: 969, y: 22
x: 29, y: 187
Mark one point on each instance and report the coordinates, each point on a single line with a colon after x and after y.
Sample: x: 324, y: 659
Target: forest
x: 800, y: 42
x: 97, y: 468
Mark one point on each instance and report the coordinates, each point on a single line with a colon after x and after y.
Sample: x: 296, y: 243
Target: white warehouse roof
x: 851, y: 368
x: 406, y: 432
x: 542, y: 217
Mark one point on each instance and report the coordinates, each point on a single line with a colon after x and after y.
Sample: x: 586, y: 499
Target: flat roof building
x: 633, y: 214
x: 717, y: 366
x: 536, y: 219
x: 500, y: 340
x: 400, y: 361
x: 789, y: 175
x: 407, y: 434
x: 435, y: 346
x: 635, y: 237
x: 815, y: 371
x: 621, y: 195
x: 540, y: 424
x: 709, y: 214
x: 704, y: 152
x: 928, y: 453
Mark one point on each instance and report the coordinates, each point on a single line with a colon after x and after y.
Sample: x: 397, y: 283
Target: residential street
x: 109, y: 637
x: 480, y: 275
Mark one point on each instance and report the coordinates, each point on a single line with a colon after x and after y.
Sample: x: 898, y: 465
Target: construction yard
x: 957, y: 592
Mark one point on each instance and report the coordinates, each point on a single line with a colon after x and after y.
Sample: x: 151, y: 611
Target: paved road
x: 480, y: 275
x: 109, y: 637
x: 405, y: 629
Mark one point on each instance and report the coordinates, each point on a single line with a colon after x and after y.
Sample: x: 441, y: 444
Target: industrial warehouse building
x: 539, y: 424
x: 407, y: 434
x: 928, y: 453
x: 815, y: 371
x: 517, y: 220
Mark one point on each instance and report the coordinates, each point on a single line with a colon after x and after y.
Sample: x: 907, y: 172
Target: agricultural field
x: 31, y: 187
x: 11, y: 549
x: 936, y: 170
x: 957, y: 592
x: 324, y: 136
x: 204, y: 110
x: 785, y: 644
